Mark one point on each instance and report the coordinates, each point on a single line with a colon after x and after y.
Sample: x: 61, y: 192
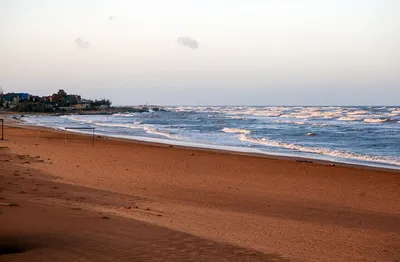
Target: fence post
x: 2, y: 129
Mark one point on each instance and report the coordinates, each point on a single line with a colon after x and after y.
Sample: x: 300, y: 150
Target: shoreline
x: 221, y: 149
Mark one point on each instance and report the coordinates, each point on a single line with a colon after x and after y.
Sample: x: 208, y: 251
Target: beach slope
x: 62, y: 199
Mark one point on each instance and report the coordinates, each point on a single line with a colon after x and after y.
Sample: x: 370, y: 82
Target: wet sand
x: 133, y: 201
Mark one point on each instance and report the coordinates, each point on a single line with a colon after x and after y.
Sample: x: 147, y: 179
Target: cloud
x: 188, y: 42
x: 82, y: 42
x: 112, y: 18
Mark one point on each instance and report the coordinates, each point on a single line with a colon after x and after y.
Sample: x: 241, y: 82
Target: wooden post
x: 2, y: 129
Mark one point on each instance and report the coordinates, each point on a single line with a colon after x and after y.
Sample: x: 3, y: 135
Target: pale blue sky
x: 258, y: 52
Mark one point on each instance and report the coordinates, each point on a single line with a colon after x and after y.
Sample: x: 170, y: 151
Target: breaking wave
x: 236, y: 130
x: 302, y: 123
x: 320, y: 151
x: 147, y: 129
x: 359, y: 112
x: 154, y: 131
x: 345, y: 118
x: 77, y: 119
x: 124, y: 114
x: 376, y: 120
x: 118, y: 125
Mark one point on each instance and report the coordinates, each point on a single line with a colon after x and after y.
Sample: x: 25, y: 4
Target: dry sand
x: 132, y: 201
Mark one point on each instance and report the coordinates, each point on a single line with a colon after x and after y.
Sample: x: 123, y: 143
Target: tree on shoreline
x: 102, y: 102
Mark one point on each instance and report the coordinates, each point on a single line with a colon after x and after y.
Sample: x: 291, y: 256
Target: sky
x: 204, y: 52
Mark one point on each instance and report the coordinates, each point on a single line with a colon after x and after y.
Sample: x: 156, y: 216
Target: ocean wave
x: 236, y: 130
x: 396, y: 111
x: 295, y: 115
x: 284, y: 121
x: 376, y: 120
x: 345, y: 118
x: 234, y: 117
x: 124, y: 114
x: 359, y: 112
x: 258, y: 112
x: 303, y: 113
x: 268, y: 114
x: 293, y: 112
x: 303, y: 123
x: 77, y: 119
x: 321, y: 151
x: 147, y: 129
x: 321, y: 125
x: 312, y: 115
x: 154, y: 131
x: 118, y: 125
x: 226, y: 116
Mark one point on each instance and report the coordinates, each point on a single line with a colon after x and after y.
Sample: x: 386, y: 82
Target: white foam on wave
x: 321, y: 151
x: 321, y: 125
x: 294, y: 115
x: 119, y: 125
x: 236, y: 130
x: 396, y: 111
x: 234, y: 117
x: 226, y: 116
x: 375, y: 120
x: 124, y: 114
x: 147, y: 129
x: 359, y: 112
x: 253, y: 111
x: 312, y: 115
x: 154, y: 131
x: 135, y: 125
x: 346, y: 118
x: 302, y: 123
x: 283, y: 112
x: 77, y: 119
x: 301, y: 113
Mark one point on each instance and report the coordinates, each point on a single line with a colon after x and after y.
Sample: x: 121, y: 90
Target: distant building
x: 47, y: 99
x: 35, y: 98
x: 24, y: 102
x: 73, y: 99
x: 15, y: 97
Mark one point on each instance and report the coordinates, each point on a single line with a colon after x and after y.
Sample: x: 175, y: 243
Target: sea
x: 364, y: 135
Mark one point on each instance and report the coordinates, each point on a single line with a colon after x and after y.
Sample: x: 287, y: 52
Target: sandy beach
x: 136, y: 201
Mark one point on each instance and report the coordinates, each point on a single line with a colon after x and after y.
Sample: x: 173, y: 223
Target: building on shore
x: 57, y: 102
